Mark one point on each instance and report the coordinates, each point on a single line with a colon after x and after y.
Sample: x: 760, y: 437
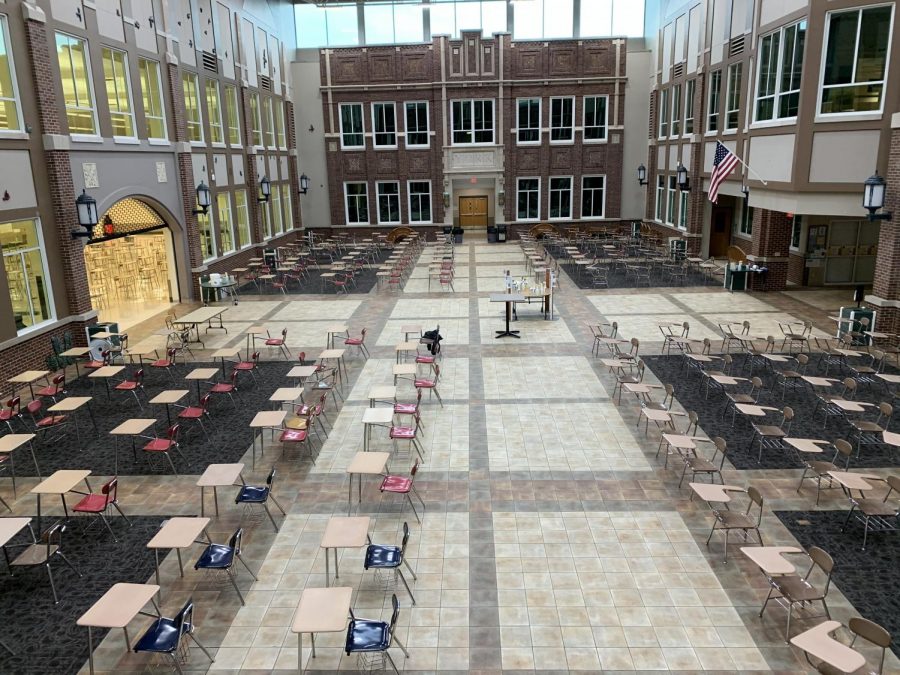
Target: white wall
x: 640, y: 68
x: 306, y: 84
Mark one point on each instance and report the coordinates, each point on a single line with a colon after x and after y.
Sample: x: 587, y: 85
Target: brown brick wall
x: 796, y: 269
x: 887, y: 263
x: 32, y: 354
x: 771, y: 239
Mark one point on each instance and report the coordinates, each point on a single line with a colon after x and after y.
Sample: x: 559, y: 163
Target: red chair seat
x: 405, y: 408
x: 396, y: 484
x: 424, y: 359
x: 7, y: 414
x: 245, y: 365
x: 353, y: 341
x: 403, y: 432
x: 292, y: 435
x: 161, y: 363
x: 274, y: 342
x: 159, y: 445
x: 424, y: 383
x: 303, y: 410
x: 52, y: 390
x: 222, y: 388
x: 51, y: 420
x: 191, y: 413
x: 94, y: 364
x: 91, y: 504
x: 127, y: 385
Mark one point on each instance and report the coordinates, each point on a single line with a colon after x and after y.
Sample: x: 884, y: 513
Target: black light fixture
x: 642, y: 174
x: 87, y: 216
x: 684, y: 182
x: 304, y: 184
x: 746, y: 190
x: 875, y: 188
x: 203, y: 199
x: 265, y: 189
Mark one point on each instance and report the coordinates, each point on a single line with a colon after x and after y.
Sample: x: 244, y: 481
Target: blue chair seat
x: 367, y: 636
x: 216, y: 556
x: 383, y: 556
x: 161, y: 637
x: 252, y: 494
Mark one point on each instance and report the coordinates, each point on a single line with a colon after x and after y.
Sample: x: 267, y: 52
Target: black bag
x: 432, y: 338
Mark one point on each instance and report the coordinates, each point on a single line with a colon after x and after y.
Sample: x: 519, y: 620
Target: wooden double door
x: 473, y: 212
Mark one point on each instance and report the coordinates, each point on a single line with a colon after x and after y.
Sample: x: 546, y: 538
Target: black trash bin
x: 208, y: 294
x: 492, y: 234
x: 457, y: 235
x: 447, y: 229
x: 501, y: 233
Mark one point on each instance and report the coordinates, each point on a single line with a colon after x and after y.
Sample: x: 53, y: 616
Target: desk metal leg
x: 202, y: 502
x: 180, y: 564
x: 156, y: 554
x: 327, y: 569
x: 337, y: 571
x: 216, y: 499
x: 91, y: 649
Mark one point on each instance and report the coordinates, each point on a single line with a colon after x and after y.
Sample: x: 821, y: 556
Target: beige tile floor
x: 552, y: 538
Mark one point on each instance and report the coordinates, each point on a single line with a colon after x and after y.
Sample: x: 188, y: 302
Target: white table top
x: 10, y: 527
x: 770, y: 558
x: 118, y: 606
x: 217, y: 475
x: 169, y: 396
x: 133, y: 426
x: 201, y: 373
x: 812, y: 445
x: 69, y: 404
x: 268, y: 418
x: 60, y: 482
x: 378, y: 415
x: 178, y: 532
x: 346, y: 532
x: 322, y: 610
x: 818, y: 642
x: 200, y: 315
x: 370, y: 463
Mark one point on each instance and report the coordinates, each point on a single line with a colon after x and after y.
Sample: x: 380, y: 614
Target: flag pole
x: 749, y: 168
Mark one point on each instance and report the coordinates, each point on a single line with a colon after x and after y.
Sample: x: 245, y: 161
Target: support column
x: 696, y: 201
x: 293, y: 171
x: 252, y: 178
x: 885, y: 297
x: 771, y: 238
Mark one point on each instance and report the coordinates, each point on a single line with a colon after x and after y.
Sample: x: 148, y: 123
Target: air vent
x: 736, y: 46
x: 265, y: 83
x: 677, y: 70
x: 210, y: 62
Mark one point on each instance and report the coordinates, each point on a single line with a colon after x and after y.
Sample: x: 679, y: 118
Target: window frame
x: 884, y: 82
x: 42, y: 249
x: 675, y: 106
x: 663, y: 116
x: 129, y: 96
x: 208, y: 217
x: 777, y: 92
x: 78, y: 135
x: 683, y: 204
x: 256, y: 132
x: 584, y: 191
x: 269, y: 123
x: 209, y: 113
x: 375, y: 133
x: 690, y: 90
x: 245, y: 208
x: 162, y: 101
x: 188, y: 75
x: 537, y: 191
x: 288, y: 207
x: 226, y: 227
x: 745, y: 226
x: 584, y: 120
x: 520, y: 128
x: 797, y: 225
x: 571, y: 126
x: 551, y: 191
x: 472, y: 130
x: 277, y: 210
x: 427, y: 132
x: 364, y: 196
x: 11, y: 64
x: 409, y: 198
x: 280, y: 129
x: 733, y: 90
x: 672, y: 189
x: 714, y: 112
x: 660, y: 208
x: 389, y: 195
x: 232, y: 104
x: 362, y: 124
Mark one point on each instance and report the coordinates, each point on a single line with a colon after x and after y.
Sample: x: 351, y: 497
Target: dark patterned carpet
x: 228, y: 427
x: 869, y: 579
x: 691, y: 393
x: 44, y: 636
x: 365, y: 282
x: 618, y: 279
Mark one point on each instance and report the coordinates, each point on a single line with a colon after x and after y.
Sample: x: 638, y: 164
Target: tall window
x: 715, y: 95
x: 419, y: 201
x: 77, y: 87
x: 269, y: 119
x: 352, y: 126
x: 561, y: 197
x: 278, y: 108
x: 226, y: 224
x: 204, y: 224
x: 388, y: 202
x: 384, y: 125
x: 255, y: 121
x: 277, y: 213
x: 664, y: 113
x: 417, y: 124
x: 746, y: 225
x: 676, y: 110
x: 593, y: 196
x: 151, y: 90
x: 118, y: 92
x: 473, y: 121
x: 780, y: 65
x: 286, y: 203
x: 10, y: 113
x: 356, y: 199
x: 595, y: 118
x: 796, y: 232
x: 266, y: 211
x: 242, y: 216
x: 682, y: 209
x: 689, y: 90
x: 528, y: 198
x: 562, y: 119
x: 214, y: 110
x: 26, y: 273
x: 232, y: 117
x: 856, y: 60
x: 670, y: 204
x: 660, y: 196
x: 191, y: 87
x: 733, y: 97
x: 528, y: 120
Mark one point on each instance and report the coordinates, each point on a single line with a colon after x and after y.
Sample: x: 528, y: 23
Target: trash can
x: 270, y: 257
x: 208, y: 294
x: 447, y: 229
x: 97, y: 345
x: 457, y: 235
x: 501, y: 233
x: 492, y: 234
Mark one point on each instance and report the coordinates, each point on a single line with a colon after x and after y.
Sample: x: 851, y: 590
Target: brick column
x: 696, y: 200
x: 293, y: 159
x: 54, y: 130
x: 650, y: 187
x: 256, y: 226
x: 885, y: 298
x: 771, y: 238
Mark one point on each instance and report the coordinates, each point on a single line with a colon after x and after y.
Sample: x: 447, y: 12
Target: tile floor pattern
x: 552, y: 540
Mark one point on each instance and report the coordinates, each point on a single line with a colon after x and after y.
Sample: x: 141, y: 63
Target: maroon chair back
x: 171, y: 353
x: 414, y: 470
x: 301, y: 357
x: 204, y: 402
x: 110, y: 489
x: 284, y: 333
x: 139, y: 375
x: 59, y: 379
x: 172, y: 432
x: 14, y: 403
x: 234, y: 376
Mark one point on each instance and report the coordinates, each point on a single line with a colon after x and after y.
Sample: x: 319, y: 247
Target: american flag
x: 723, y: 164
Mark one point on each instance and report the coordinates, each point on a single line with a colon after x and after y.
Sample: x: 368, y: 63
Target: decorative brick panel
x: 887, y: 263
x: 32, y: 354
x: 44, y: 79
x: 771, y: 239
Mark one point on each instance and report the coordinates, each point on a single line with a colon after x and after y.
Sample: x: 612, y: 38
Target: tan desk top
x: 118, y: 606
x: 683, y: 442
x: 29, y: 376
x: 201, y: 373
x: 851, y: 406
x: 286, y: 394
x: 133, y: 426
x: 225, y: 352
x: 887, y: 377
x: 777, y: 358
x: 702, y: 358
x: 12, y: 442
x: 819, y: 381
x: 10, y: 527
x: 891, y: 438
x: 715, y: 492
x: 143, y: 348
x: 411, y: 328
x: 105, y: 335
x: 641, y: 387
x: 770, y: 558
x: 853, y: 480
x: 406, y: 346
x: 806, y: 444
x: 378, y: 416
x: 754, y: 410
x: 818, y: 642
x: 107, y: 371
x: 201, y: 315
x: 404, y: 369
x: 268, y: 418
x: 849, y: 352
x: 217, y: 475
x: 657, y: 415
x: 178, y: 533
x: 301, y: 371
x: 170, y: 396
x: 331, y: 354
x: 383, y: 392
x: 346, y: 532
x: 616, y: 363
x: 76, y: 351
x: 727, y: 379
x: 69, y: 404
x: 60, y: 482
x: 371, y: 463
x: 256, y: 330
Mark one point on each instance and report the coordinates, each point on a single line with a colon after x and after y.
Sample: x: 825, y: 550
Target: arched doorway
x: 130, y: 264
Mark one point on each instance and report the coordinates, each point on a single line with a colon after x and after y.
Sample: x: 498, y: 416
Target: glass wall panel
x: 407, y: 23
x: 312, y: 30
x: 596, y: 18
x: 493, y: 17
x: 558, y: 19
x: 379, y: 24
x: 26, y: 273
x: 528, y: 20
x: 343, y: 28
